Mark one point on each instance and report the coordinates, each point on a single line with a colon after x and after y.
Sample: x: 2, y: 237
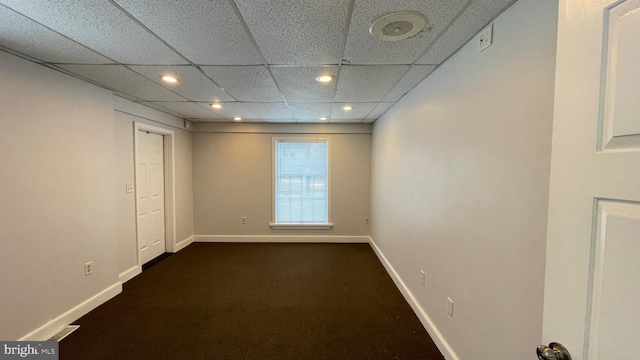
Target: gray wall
x: 460, y: 178
x: 66, y: 155
x: 233, y: 178
x: 58, y: 207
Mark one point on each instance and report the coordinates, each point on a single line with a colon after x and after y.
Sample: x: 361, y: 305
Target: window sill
x: 327, y: 226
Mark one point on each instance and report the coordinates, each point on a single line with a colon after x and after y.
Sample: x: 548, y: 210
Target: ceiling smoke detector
x: 398, y: 26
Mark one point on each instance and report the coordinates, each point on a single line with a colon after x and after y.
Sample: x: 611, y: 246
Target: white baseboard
x: 49, y: 329
x: 183, y: 244
x: 282, y: 238
x: 435, y: 334
x: 130, y: 274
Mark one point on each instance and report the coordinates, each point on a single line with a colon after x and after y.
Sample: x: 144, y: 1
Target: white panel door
x: 592, y: 295
x: 150, y: 193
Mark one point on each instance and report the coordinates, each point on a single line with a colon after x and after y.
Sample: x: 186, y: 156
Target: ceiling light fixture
x: 216, y: 106
x: 323, y: 118
x: 398, y: 26
x: 324, y: 78
x: 237, y: 118
x: 347, y: 108
x: 172, y: 79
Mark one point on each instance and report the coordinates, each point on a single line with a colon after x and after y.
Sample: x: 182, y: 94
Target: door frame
x: 168, y: 138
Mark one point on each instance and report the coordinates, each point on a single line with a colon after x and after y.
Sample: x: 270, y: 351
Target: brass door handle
x: 555, y: 351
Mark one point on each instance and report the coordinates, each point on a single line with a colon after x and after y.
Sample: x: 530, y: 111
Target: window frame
x: 300, y: 226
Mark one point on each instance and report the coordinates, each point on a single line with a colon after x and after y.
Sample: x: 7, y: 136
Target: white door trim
x: 169, y: 183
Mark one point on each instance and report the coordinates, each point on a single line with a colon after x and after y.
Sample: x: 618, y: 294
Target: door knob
x: 554, y: 351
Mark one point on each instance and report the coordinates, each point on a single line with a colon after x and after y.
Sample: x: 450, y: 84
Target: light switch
x: 129, y: 188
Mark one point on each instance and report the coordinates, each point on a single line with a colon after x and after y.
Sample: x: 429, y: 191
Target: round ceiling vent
x: 398, y: 26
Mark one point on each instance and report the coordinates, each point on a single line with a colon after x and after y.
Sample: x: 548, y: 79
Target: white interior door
x: 592, y: 294
x: 150, y: 193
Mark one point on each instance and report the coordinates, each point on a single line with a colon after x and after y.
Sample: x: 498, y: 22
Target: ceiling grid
x: 257, y: 59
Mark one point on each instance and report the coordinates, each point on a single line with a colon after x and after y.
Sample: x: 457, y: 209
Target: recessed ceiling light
x: 325, y: 78
x: 170, y: 78
x: 347, y: 108
x: 216, y: 106
x: 237, y: 118
x: 323, y: 118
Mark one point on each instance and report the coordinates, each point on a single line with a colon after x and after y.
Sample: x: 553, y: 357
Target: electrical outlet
x: 87, y: 269
x: 366, y: 220
x: 423, y: 277
x: 486, y: 38
x: 244, y: 220
x: 450, y: 307
x: 129, y: 188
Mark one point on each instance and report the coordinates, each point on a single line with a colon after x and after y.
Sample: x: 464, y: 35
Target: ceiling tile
x: 299, y: 40
x: 299, y: 83
x: 379, y: 110
x: 245, y: 83
x: 367, y: 83
x: 362, y: 48
x: 188, y: 109
x: 120, y: 78
x: 411, y: 78
x: 31, y: 38
x: 297, y: 32
x: 206, y: 32
x: 221, y: 120
x: 270, y: 111
x: 310, y: 111
x: 474, y: 18
x: 127, y: 96
x: 193, y: 85
x: 100, y: 26
x: 160, y: 108
x: 230, y: 110
x: 359, y: 112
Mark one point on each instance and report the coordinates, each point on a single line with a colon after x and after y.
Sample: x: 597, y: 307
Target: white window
x: 301, y: 184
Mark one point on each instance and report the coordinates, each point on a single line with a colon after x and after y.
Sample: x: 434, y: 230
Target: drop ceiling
x: 257, y: 58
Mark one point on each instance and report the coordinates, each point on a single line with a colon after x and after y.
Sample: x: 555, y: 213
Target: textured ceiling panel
x: 480, y: 13
x: 207, y: 32
x: 297, y: 32
x: 310, y: 111
x: 188, y: 109
x: 270, y: 111
x: 31, y: 38
x: 245, y: 83
x: 127, y: 96
x: 299, y: 84
x: 101, y: 26
x: 379, y: 110
x: 367, y: 83
x: 160, y: 108
x: 415, y: 75
x: 362, y: 48
x: 298, y: 40
x: 230, y: 110
x: 193, y: 85
x: 359, y: 111
x: 221, y: 120
x: 122, y: 79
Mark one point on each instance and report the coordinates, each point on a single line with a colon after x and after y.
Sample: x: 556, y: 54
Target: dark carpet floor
x: 256, y: 301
